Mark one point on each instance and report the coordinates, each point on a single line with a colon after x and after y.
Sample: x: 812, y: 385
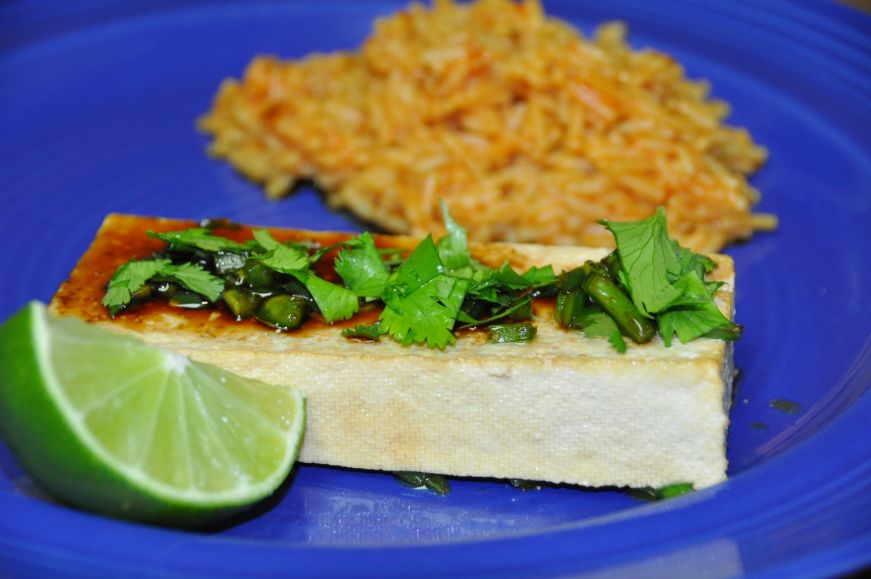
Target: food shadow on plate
x: 337, y: 506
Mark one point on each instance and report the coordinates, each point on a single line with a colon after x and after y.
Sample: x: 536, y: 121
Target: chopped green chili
x: 242, y: 303
x: 617, y: 304
x: 283, y: 312
x: 512, y: 333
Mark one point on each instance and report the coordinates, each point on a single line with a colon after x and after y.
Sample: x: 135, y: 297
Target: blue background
x: 97, y: 107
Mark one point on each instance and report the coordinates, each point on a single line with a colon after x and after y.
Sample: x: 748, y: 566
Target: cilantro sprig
x: 424, y: 297
x: 648, y: 285
x: 131, y: 277
x: 361, y: 267
x: 666, y: 281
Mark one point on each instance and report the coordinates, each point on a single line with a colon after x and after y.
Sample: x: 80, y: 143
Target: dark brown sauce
x: 218, y: 320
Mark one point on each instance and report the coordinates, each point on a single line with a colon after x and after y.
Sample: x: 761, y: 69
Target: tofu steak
x: 563, y: 408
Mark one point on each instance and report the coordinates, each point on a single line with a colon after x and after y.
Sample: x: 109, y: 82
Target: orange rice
x: 529, y: 131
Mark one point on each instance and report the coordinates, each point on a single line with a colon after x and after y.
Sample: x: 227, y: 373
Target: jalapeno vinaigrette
x: 422, y: 291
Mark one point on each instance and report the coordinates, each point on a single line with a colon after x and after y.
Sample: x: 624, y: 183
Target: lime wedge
x: 108, y: 424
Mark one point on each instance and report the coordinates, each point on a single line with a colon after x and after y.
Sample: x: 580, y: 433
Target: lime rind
x: 177, y: 366
x: 78, y: 465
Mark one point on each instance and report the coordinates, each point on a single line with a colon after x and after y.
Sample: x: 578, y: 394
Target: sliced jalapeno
x: 241, y: 303
x: 283, y: 312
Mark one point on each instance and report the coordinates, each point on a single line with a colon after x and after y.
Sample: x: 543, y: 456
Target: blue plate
x: 97, y: 105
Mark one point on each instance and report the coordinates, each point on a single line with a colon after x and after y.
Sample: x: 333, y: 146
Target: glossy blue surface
x: 97, y: 104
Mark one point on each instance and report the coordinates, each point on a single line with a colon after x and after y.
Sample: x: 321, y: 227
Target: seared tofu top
x: 124, y: 237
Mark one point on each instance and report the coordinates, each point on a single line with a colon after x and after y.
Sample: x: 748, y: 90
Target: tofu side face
x: 563, y: 408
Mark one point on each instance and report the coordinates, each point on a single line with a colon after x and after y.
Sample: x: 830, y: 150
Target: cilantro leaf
x: 728, y: 333
x: 540, y: 276
x: 506, y: 277
x: 648, y: 260
x: 667, y: 281
x: 425, y: 314
x: 371, y: 332
x: 693, y: 314
x: 691, y: 261
x: 360, y: 266
x: 496, y: 285
x: 421, y: 300
x: 534, y: 277
x: 133, y: 275
x: 690, y: 323
x: 264, y: 239
x: 199, y: 238
x: 128, y: 279
x: 597, y: 324
x: 335, y: 302
x: 280, y: 257
x: 421, y: 266
x: 196, y: 279
x: 453, y: 248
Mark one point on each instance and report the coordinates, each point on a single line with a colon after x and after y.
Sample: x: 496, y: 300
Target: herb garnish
x: 666, y: 281
x: 131, y: 278
x: 198, y: 238
x: 421, y: 480
x: 658, y: 494
x: 649, y: 284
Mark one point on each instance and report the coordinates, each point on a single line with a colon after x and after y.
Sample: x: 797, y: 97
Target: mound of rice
x: 527, y: 130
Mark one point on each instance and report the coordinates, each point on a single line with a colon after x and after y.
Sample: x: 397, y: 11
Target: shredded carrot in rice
x: 528, y: 131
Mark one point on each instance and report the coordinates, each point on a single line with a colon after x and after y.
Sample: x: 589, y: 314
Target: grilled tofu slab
x: 563, y: 408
